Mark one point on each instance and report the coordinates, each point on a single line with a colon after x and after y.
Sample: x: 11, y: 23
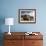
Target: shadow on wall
x: 2, y: 21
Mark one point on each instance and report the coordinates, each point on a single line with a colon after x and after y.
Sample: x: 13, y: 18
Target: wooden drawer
x: 34, y: 37
x: 9, y: 42
x: 16, y: 37
x: 33, y: 43
x: 37, y: 43
x: 13, y: 43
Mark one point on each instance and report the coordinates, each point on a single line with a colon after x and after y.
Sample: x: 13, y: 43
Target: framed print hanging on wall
x: 27, y: 16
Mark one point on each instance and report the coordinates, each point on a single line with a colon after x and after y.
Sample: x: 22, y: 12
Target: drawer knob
x: 33, y: 42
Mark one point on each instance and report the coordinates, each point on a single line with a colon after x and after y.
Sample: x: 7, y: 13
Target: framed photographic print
x: 27, y: 15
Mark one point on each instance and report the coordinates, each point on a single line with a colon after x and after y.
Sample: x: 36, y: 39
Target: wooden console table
x: 20, y: 39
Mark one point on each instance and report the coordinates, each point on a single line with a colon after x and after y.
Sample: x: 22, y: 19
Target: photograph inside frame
x: 27, y: 15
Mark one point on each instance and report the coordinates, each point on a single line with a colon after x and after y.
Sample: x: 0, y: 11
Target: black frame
x: 21, y: 11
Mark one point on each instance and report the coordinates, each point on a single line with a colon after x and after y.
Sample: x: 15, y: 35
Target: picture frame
x: 27, y: 16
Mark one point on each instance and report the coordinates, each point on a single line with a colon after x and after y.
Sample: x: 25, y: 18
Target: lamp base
x: 9, y: 33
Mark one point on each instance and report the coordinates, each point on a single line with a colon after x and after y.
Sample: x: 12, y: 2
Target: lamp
x: 9, y: 21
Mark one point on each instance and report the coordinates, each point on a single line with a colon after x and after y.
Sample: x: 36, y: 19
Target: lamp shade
x: 9, y: 21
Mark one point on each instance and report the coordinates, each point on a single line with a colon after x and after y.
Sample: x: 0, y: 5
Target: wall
x: 9, y: 8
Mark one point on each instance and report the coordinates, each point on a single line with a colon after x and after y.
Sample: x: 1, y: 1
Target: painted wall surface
x: 9, y: 8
